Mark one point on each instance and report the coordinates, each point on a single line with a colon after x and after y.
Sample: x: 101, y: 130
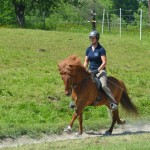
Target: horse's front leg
x: 78, y: 114
x: 68, y: 129
x: 80, y: 125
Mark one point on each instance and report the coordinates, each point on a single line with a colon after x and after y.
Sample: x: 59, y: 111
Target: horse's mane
x: 69, y: 64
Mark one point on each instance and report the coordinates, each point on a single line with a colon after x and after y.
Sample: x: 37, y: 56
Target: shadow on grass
x: 117, y: 134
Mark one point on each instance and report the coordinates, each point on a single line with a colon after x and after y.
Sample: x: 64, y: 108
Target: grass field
x: 28, y: 75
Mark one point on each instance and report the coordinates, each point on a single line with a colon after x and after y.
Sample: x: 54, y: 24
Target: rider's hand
x: 94, y: 72
x: 89, y: 71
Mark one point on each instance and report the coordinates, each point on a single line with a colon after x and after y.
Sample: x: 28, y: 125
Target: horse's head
x: 67, y: 83
x: 72, y: 71
x: 67, y: 78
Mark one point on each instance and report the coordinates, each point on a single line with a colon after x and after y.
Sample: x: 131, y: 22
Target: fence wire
x: 106, y: 21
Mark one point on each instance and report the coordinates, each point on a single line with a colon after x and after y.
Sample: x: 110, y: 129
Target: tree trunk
x: 149, y: 10
x: 19, y: 10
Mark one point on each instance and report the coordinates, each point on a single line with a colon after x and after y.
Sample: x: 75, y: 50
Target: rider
x: 96, y: 56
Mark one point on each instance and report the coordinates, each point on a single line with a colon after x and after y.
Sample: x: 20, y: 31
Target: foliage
x: 107, y: 4
x: 7, y: 15
x: 126, y: 5
x: 70, y: 17
x: 144, y: 16
x: 76, y: 11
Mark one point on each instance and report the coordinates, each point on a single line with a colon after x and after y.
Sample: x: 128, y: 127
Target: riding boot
x: 113, y: 103
x: 103, y: 79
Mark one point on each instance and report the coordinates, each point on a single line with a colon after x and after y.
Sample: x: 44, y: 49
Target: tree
x: 74, y: 2
x: 126, y: 5
x: 19, y: 11
x: 149, y: 9
x: 107, y: 4
x: 7, y: 15
x: 145, y: 6
x: 43, y: 5
x: 145, y: 2
x: 31, y: 6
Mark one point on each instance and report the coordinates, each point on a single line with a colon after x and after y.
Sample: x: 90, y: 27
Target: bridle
x: 74, y: 85
x: 71, y: 85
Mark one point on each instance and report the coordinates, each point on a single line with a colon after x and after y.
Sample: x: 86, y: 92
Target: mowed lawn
x: 29, y: 75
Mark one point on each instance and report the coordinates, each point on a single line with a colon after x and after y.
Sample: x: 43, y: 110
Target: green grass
x: 28, y: 76
x: 126, y: 142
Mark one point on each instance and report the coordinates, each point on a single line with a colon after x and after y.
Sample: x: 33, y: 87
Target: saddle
x: 97, y: 82
x: 99, y: 87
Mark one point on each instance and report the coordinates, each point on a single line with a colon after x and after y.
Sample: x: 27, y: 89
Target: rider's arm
x: 104, y: 62
x: 86, y: 62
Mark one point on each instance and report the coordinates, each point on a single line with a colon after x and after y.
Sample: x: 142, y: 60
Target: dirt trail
x: 138, y: 128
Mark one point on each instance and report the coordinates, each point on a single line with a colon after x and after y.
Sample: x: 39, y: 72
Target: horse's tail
x: 127, y: 103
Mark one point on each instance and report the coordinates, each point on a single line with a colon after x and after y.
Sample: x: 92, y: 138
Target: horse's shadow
x: 129, y: 132
x: 117, y: 134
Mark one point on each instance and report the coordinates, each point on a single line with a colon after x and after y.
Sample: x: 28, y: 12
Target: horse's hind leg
x: 114, y: 120
x: 110, y: 115
x: 119, y: 121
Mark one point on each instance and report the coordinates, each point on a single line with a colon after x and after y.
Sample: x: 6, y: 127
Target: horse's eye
x: 69, y: 78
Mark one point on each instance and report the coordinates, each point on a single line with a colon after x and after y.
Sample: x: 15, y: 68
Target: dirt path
x: 121, y: 130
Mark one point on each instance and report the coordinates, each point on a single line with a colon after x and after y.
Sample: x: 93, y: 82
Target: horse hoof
x: 78, y: 134
x: 68, y: 129
x: 107, y: 133
x: 122, y: 122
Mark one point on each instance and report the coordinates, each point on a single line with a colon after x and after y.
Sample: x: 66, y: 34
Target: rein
x: 75, y: 85
x: 115, y: 85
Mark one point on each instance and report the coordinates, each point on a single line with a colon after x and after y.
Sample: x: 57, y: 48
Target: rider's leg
x: 103, y: 79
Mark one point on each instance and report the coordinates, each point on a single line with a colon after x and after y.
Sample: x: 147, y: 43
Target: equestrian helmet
x: 94, y: 33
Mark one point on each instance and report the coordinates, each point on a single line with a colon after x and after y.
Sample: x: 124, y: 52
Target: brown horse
x: 79, y: 83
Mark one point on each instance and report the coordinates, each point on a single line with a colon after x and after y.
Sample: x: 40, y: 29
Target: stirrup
x: 113, y: 106
x: 72, y: 105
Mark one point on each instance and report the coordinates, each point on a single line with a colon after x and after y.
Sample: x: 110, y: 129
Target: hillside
x: 29, y: 75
